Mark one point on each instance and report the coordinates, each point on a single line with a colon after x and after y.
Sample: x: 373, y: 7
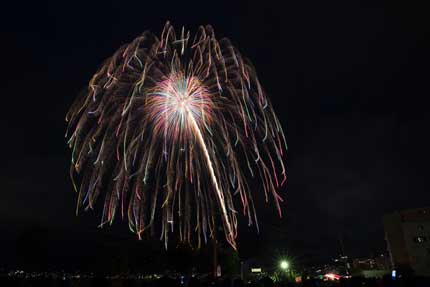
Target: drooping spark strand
x: 230, y: 236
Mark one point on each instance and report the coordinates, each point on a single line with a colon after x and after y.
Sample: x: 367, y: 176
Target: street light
x: 284, y: 265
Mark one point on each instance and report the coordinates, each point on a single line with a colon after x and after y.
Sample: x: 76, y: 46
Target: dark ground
x: 266, y: 282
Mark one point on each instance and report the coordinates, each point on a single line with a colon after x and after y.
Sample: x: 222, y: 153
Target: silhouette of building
x: 380, y: 262
x: 407, y: 234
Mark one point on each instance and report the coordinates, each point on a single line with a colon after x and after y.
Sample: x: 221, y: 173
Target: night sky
x: 349, y: 81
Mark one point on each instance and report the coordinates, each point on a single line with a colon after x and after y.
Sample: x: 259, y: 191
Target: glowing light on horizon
x: 332, y: 276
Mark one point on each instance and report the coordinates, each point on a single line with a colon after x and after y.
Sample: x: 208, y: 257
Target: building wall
x: 408, y: 239
x: 417, y: 239
x: 395, y: 240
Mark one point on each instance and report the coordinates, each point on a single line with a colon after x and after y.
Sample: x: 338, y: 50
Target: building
x: 407, y: 234
x: 380, y: 262
x: 372, y: 267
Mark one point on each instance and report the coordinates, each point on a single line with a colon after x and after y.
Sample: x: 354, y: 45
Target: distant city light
x: 332, y: 276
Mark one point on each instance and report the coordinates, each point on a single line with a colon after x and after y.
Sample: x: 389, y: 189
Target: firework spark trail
x: 169, y: 130
x: 230, y: 235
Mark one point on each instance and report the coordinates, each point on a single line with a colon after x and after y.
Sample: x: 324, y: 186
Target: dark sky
x: 349, y: 81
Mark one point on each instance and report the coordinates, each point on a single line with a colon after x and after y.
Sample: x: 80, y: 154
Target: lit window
x: 420, y: 239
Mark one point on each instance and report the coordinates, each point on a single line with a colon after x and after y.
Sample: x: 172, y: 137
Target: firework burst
x: 169, y: 130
